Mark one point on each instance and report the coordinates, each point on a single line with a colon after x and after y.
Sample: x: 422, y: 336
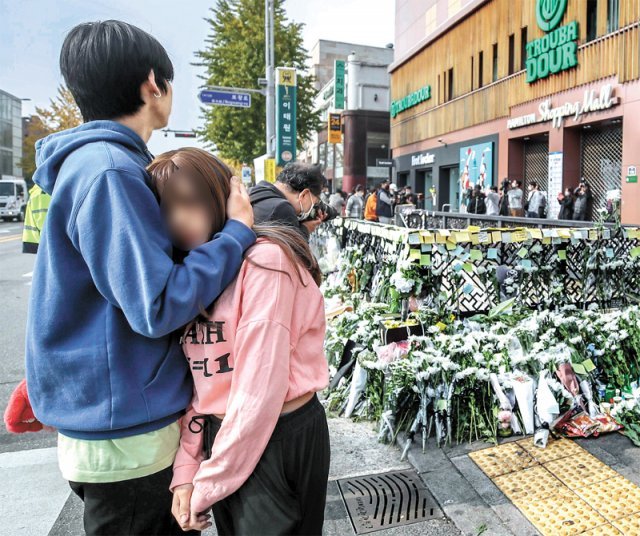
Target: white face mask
x: 304, y: 215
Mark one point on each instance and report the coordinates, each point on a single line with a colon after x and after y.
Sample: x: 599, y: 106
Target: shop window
x: 613, y: 15
x: 592, y: 19
x: 523, y: 48
x: 512, y: 53
x: 480, y: 68
x: 495, y: 61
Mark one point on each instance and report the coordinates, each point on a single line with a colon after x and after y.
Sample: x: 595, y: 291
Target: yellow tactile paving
x: 603, y: 530
x: 613, y: 498
x: 555, y: 449
x: 580, y: 470
x: 563, y: 489
x: 507, y: 458
x: 530, y: 484
x: 630, y: 525
x: 561, y: 514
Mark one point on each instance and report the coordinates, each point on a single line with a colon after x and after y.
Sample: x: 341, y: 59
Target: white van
x: 13, y: 198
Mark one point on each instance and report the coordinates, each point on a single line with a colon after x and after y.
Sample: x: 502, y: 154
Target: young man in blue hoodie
x: 103, y: 367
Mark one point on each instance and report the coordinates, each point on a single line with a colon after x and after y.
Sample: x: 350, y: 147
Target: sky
x: 32, y: 31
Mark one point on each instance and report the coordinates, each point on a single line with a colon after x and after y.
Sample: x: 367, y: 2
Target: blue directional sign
x: 225, y: 98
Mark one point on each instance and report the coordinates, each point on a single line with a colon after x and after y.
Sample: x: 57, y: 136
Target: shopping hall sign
x: 557, y: 50
x: 593, y: 101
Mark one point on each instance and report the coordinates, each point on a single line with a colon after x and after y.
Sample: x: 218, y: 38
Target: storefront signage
x: 384, y: 162
x: 632, y: 174
x: 593, y: 101
x: 423, y: 159
x: 411, y: 100
x: 557, y: 50
x: 335, y: 128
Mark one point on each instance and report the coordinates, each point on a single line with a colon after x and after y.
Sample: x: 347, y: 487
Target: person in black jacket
x: 291, y: 199
x: 476, y: 202
x: 566, y: 205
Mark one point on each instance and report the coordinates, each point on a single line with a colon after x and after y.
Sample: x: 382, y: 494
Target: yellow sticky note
x: 593, y: 235
x: 564, y: 233
x: 441, y: 239
x: 496, y: 236
x: 427, y: 237
x: 462, y: 237
x: 475, y: 239
x: 535, y: 233
x: 451, y: 246
x: 519, y: 236
x: 414, y: 255
x: 473, y: 229
x: 425, y: 260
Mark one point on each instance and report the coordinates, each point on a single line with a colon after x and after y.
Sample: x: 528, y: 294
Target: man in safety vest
x: 37, y: 208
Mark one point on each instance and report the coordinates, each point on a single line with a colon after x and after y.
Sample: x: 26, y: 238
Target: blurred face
x: 190, y: 221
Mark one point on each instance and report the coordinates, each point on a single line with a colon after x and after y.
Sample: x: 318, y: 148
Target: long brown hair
x: 212, y: 180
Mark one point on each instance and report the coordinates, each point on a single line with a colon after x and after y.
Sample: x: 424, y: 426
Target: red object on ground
x: 19, y: 417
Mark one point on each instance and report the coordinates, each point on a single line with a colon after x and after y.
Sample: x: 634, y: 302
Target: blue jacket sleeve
x: 119, y: 231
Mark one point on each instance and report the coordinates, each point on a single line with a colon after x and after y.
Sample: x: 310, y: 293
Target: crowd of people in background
x: 378, y: 203
x: 512, y: 200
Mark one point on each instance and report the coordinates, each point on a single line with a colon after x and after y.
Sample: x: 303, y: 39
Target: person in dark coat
x: 582, y: 203
x: 291, y: 199
x: 477, y: 204
x: 565, y: 199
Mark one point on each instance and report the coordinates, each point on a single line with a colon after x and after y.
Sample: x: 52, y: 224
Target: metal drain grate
x: 385, y: 500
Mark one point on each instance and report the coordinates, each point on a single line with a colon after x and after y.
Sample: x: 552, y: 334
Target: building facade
x: 537, y: 90
x: 10, y: 134
x: 363, y: 110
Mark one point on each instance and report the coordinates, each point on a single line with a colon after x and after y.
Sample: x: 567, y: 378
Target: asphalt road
x: 15, y: 285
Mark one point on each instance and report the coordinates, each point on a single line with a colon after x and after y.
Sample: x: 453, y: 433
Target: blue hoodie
x: 102, y: 359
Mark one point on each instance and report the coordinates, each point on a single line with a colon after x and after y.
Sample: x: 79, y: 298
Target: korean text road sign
x: 285, y: 115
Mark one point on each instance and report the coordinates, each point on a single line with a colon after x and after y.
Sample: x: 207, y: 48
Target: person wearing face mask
x: 355, y: 204
x: 291, y: 200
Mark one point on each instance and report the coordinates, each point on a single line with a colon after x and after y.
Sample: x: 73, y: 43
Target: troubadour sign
x: 557, y: 50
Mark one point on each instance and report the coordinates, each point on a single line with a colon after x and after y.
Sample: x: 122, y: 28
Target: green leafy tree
x: 234, y: 57
x: 62, y: 113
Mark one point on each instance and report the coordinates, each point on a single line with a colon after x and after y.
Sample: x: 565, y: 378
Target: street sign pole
x: 269, y: 59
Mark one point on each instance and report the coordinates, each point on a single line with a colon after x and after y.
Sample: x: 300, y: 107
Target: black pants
x: 287, y: 491
x: 141, y: 506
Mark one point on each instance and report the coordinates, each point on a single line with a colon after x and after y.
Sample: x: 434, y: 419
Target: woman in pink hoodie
x: 254, y: 442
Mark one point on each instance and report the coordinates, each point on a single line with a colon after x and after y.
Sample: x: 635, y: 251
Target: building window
x: 450, y: 84
x: 592, y: 19
x: 613, y: 15
x: 512, y: 53
x: 523, y: 48
x: 480, y: 68
x: 472, y: 73
x: 495, y: 61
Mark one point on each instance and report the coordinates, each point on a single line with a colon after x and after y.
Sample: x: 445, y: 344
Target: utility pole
x: 269, y: 60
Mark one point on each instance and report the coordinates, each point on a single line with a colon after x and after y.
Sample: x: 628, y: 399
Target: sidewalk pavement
x: 472, y: 501
x: 37, y: 501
